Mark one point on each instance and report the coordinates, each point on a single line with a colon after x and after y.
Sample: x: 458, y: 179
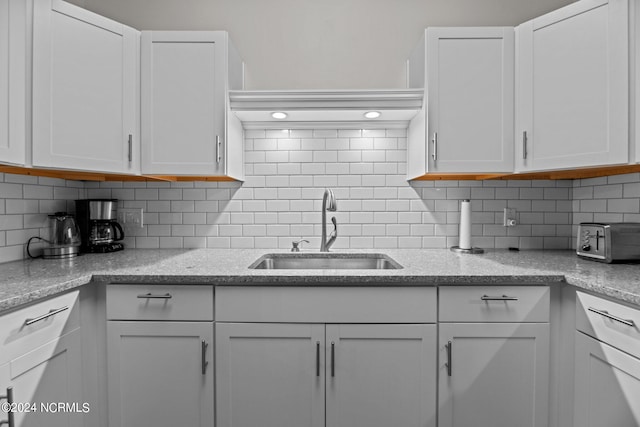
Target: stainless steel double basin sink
x: 325, y: 261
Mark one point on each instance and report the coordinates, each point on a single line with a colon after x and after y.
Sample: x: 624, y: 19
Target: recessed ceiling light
x: 279, y: 115
x: 372, y: 114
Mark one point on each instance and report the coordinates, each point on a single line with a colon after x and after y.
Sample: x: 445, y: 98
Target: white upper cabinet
x: 468, y: 122
x: 85, y: 90
x: 573, y: 87
x: 15, y: 28
x: 635, y: 77
x: 186, y: 126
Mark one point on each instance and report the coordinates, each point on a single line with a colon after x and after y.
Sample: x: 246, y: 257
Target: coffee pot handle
x: 118, y: 230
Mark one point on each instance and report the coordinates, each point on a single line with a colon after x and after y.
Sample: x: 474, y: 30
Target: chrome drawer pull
x: 152, y: 296
x: 606, y: 314
x: 218, y: 143
x: 333, y: 359
x: 45, y: 316
x: 204, y: 357
x: 434, y: 155
x: 10, y: 421
x: 318, y: 359
x: 449, y: 347
x: 502, y: 298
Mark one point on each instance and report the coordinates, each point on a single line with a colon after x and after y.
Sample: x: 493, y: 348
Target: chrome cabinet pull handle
x: 10, y: 421
x: 130, y: 148
x: 45, y: 316
x: 498, y: 298
x: 204, y: 357
x: 434, y: 155
x: 218, y: 158
x: 524, y: 145
x: 318, y: 359
x: 333, y: 359
x: 606, y: 314
x: 449, y: 347
x: 152, y: 296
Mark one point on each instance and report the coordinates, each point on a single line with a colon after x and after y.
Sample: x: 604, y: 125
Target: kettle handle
x: 118, y: 228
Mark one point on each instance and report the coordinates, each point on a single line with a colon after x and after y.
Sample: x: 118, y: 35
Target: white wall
x: 321, y: 44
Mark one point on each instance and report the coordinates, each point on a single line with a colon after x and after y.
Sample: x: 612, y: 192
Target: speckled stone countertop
x: 26, y: 281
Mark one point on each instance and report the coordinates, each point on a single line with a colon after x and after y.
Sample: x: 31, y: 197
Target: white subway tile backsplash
x: 280, y: 200
x: 613, y: 191
x: 170, y: 194
x: 157, y: 230
x: 37, y: 192
x: 147, y: 242
x: 623, y: 205
x: 21, y: 206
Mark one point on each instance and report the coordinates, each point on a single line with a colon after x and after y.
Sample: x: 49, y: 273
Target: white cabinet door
x: 85, y: 90
x: 494, y: 375
x: 607, y: 385
x: 470, y: 75
x: 381, y: 375
x: 183, y: 102
x: 160, y: 374
x: 44, y: 377
x: 15, y: 25
x: 573, y: 87
x: 270, y: 375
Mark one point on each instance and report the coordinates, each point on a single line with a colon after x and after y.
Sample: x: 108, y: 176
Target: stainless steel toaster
x: 609, y: 242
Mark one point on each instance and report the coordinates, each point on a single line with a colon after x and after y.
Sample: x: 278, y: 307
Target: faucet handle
x: 295, y: 247
x: 335, y: 226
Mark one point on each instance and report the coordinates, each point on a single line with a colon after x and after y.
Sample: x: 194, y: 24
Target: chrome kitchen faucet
x: 332, y: 206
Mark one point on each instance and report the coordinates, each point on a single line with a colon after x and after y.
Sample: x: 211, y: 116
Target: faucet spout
x: 329, y: 203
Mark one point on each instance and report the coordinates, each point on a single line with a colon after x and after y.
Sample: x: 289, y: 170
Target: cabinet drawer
x: 326, y: 304
x: 159, y: 302
x: 494, y: 304
x: 608, y: 321
x: 28, y: 328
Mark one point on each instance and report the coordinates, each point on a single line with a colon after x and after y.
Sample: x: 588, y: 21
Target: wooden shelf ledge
x: 559, y: 174
x: 98, y: 176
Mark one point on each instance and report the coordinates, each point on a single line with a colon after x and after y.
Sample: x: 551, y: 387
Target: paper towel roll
x: 465, y: 225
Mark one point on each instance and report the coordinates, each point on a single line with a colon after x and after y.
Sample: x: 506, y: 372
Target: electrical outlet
x: 131, y: 217
x: 509, y: 219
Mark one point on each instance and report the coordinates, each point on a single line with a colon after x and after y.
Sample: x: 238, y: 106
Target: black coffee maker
x: 99, y: 229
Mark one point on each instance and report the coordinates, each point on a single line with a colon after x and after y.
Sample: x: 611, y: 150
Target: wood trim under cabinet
x: 557, y: 174
x: 98, y: 176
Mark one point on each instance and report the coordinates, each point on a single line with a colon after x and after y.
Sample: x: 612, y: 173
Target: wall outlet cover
x: 131, y: 217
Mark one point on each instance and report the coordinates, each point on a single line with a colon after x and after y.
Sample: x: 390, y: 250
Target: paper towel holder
x: 459, y: 250
x: 471, y: 249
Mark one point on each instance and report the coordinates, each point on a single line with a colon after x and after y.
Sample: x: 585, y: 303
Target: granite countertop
x: 26, y: 281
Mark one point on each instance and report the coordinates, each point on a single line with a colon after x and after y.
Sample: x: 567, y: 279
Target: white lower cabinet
x: 493, y: 374
x: 607, y: 363
x: 44, y: 379
x: 270, y: 375
x: 493, y: 362
x: 380, y: 375
x: 41, y: 360
x: 160, y: 374
x: 312, y: 375
x: 160, y: 355
x: 325, y: 356
x: 607, y: 391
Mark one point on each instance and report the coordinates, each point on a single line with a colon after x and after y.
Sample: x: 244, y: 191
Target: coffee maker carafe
x: 98, y: 226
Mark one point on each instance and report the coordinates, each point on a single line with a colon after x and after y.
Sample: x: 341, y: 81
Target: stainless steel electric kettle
x: 64, y: 237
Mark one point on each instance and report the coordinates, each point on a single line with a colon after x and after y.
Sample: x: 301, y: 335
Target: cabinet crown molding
x: 326, y: 108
